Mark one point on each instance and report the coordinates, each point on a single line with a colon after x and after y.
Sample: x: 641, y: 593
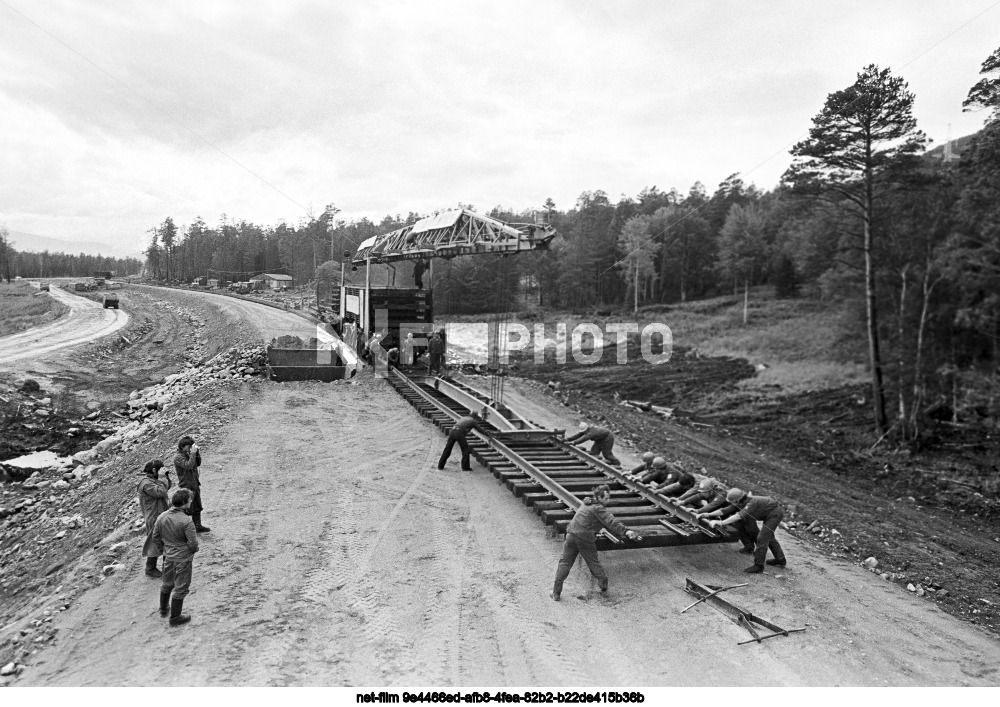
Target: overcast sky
x: 116, y: 114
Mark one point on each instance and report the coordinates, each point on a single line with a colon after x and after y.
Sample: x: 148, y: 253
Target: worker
x: 418, y: 274
x: 186, y: 464
x: 602, y: 438
x: 647, y: 464
x: 708, y: 495
x: 749, y: 510
x: 677, y: 483
x: 581, y: 538
x: 177, y: 540
x: 152, y: 489
x: 458, y: 434
x: 435, y: 350
x: 658, y: 472
x: 408, y: 349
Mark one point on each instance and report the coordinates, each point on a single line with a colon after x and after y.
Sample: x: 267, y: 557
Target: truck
x: 44, y: 287
x: 110, y: 300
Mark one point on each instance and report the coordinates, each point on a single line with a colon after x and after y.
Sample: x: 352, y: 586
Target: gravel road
x: 86, y: 321
x: 340, y: 555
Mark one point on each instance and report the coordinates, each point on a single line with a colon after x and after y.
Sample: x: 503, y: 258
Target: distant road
x: 86, y: 320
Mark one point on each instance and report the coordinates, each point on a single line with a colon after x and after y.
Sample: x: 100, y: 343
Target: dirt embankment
x: 930, y: 518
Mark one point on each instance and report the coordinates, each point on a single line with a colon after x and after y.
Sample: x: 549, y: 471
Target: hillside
x: 33, y: 243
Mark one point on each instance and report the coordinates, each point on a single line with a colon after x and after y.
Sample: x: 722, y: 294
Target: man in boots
x: 176, y: 538
x: 186, y: 463
x: 581, y: 538
x: 153, y: 501
x: 750, y: 509
x: 458, y: 434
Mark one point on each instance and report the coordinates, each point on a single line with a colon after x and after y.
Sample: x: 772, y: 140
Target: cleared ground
x: 340, y: 555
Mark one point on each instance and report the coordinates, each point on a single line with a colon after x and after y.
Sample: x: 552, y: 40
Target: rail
x: 549, y: 475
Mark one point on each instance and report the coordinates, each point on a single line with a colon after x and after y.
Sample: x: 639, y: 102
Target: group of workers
x: 172, y: 532
x: 709, y: 500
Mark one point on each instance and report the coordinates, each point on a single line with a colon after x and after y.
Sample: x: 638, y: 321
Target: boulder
x: 871, y: 563
x: 60, y: 485
x: 86, y: 457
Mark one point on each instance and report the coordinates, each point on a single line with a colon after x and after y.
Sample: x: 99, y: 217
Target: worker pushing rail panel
x: 549, y: 475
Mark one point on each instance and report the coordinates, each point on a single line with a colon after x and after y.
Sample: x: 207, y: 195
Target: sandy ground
x: 340, y: 555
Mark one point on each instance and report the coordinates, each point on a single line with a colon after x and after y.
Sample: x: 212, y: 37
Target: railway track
x: 549, y: 475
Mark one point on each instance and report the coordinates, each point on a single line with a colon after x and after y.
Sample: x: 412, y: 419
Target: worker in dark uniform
x: 152, y: 501
x: 435, y: 350
x: 647, y: 464
x: 177, y: 540
x: 657, y: 473
x: 708, y: 492
x: 418, y: 274
x: 458, y: 434
x: 602, y: 438
x: 749, y: 510
x: 186, y: 464
x: 581, y: 538
x: 677, y: 483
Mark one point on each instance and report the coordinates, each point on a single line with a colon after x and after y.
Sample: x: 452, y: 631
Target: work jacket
x: 590, y: 518
x: 153, y: 502
x: 175, y: 536
x: 464, y: 425
x: 759, y: 508
x: 595, y: 433
x: 186, y: 466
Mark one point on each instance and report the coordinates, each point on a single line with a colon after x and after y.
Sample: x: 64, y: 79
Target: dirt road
x: 340, y: 555
x: 86, y: 321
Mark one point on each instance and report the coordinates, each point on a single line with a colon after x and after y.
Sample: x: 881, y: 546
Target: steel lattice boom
x: 458, y: 232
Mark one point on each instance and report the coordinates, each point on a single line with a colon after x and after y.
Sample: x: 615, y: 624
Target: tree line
x: 864, y: 216
x: 15, y: 263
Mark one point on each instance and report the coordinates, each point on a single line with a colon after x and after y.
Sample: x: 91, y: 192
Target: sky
x: 116, y: 114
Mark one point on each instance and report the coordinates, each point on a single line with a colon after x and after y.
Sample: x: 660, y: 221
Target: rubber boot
x: 196, y: 517
x: 151, y: 570
x: 604, y: 586
x: 176, y: 617
x: 165, y: 602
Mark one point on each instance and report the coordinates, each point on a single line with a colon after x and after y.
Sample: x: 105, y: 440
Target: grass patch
x: 22, y: 307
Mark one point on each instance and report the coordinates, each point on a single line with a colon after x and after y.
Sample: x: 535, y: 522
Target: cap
x: 648, y: 456
x: 659, y: 462
x: 584, y: 426
x: 736, y: 495
x: 706, y: 484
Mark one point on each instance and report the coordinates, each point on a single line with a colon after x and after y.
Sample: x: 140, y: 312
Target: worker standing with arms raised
x: 581, y: 538
x: 186, y: 464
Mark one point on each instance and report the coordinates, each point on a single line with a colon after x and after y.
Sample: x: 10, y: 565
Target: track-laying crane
x: 384, y: 307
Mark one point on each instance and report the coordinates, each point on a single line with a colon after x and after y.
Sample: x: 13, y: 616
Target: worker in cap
x: 186, y: 464
x: 647, y: 464
x: 708, y: 492
x: 677, y: 483
x: 749, y: 510
x: 581, y: 538
x: 458, y: 434
x: 657, y: 473
x: 602, y: 438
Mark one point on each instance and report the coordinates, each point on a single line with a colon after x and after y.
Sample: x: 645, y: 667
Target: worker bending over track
x: 458, y: 434
x: 603, y: 441
x: 750, y: 510
x: 581, y: 538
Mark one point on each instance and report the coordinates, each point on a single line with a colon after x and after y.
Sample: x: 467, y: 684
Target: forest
x: 866, y: 218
